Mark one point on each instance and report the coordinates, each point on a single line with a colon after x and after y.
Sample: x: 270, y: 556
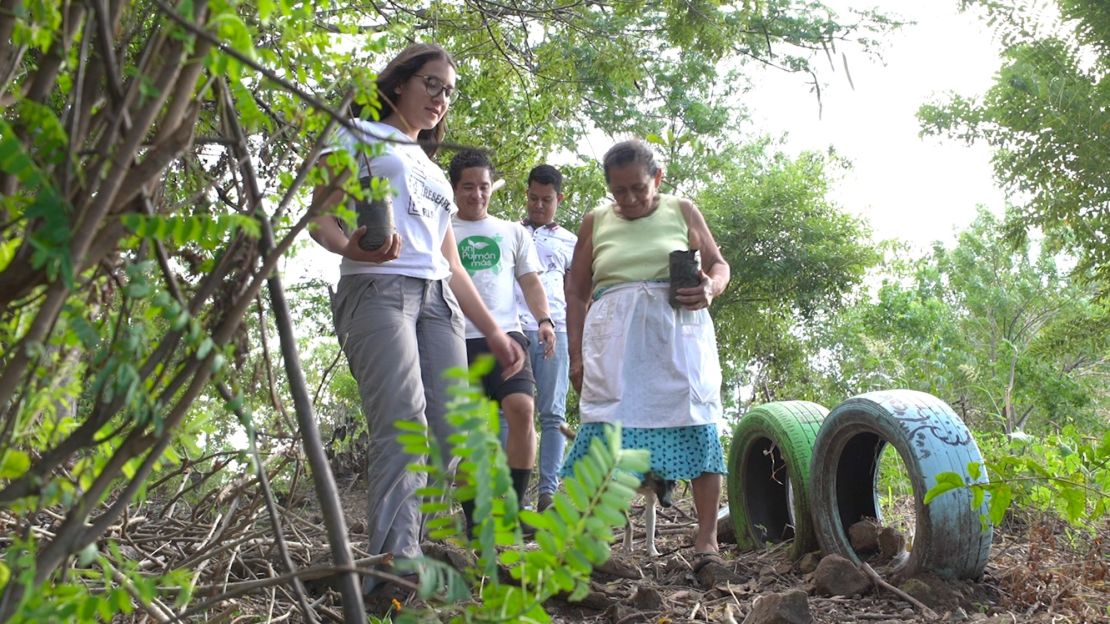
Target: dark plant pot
x: 685, y: 272
x: 377, y: 216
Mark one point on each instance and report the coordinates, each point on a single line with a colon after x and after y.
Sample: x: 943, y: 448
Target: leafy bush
x: 573, y: 535
x: 100, y: 588
x: 1065, y: 473
x: 895, y: 491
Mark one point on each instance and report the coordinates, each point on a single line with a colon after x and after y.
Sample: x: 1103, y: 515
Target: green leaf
x: 265, y: 9
x: 564, y: 579
x: 171, y: 456
x: 204, y: 347
x: 14, y: 463
x: 413, y: 439
x: 577, y: 494
x: 580, y: 591
x: 612, y: 516
x: 591, y: 478
x: 634, y: 460
x: 121, y: 601
x: 1075, y: 502
x: 538, y: 520
x: 579, y: 562
x: 946, y: 481
x: 87, y: 555
x: 548, y: 543
x: 1001, y: 497
x: 104, y: 608
x: 978, y: 496
x: 510, y: 557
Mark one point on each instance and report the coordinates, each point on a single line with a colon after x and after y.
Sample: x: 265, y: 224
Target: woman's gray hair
x: 633, y: 151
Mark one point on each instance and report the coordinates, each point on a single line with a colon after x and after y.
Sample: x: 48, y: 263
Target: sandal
x: 703, y: 559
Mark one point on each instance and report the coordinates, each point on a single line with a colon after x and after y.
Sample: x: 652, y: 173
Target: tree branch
x: 326, y: 492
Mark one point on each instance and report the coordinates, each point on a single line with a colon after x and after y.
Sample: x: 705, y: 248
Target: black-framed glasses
x: 434, y: 86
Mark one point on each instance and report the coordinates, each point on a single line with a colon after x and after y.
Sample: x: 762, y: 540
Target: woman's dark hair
x: 633, y: 151
x: 398, y: 72
x: 546, y: 174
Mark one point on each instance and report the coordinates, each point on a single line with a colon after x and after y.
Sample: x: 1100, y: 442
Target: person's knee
x: 518, y: 407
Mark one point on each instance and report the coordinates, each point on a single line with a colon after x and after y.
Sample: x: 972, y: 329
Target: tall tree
x: 1003, y: 334
x: 795, y: 258
x: 1046, y: 116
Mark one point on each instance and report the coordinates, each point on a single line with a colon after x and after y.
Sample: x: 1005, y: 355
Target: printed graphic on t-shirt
x: 424, y: 199
x: 480, y: 253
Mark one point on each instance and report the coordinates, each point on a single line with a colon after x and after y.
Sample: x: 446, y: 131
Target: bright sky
x: 910, y: 188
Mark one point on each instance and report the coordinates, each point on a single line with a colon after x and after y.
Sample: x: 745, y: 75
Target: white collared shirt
x: 555, y: 247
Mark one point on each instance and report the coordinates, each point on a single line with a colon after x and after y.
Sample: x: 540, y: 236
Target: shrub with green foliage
x: 573, y: 535
x: 1065, y: 473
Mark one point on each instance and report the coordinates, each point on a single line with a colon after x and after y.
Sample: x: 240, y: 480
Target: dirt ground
x: 1038, y: 572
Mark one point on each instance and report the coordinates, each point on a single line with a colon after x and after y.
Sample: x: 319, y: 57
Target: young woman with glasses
x: 398, y: 309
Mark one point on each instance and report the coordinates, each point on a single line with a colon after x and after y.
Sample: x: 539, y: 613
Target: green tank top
x: 637, y: 250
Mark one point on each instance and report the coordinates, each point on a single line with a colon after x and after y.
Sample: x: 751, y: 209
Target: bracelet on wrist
x: 546, y: 319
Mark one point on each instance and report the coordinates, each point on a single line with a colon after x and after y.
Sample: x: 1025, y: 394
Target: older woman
x: 634, y: 358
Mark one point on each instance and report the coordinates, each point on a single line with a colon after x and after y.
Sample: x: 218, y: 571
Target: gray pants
x: 399, y: 335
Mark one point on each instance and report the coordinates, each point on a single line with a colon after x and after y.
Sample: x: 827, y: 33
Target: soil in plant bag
x: 377, y: 216
x: 685, y: 272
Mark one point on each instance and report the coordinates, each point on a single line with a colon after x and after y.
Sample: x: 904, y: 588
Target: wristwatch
x: 546, y: 319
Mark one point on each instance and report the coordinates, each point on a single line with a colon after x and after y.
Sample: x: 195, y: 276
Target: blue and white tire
x: 951, y: 539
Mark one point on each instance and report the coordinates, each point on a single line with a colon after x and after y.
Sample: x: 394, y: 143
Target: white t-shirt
x: 422, y: 200
x: 555, y: 248
x: 495, y: 253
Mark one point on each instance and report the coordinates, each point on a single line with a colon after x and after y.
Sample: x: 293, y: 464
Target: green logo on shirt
x: 479, y: 253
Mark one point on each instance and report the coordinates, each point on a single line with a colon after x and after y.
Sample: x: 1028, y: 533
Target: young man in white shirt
x: 555, y: 247
x: 498, y: 255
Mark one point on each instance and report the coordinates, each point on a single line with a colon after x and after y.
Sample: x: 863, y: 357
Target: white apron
x: 646, y: 364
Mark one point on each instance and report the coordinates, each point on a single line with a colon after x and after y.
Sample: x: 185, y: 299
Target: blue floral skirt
x: 678, y: 453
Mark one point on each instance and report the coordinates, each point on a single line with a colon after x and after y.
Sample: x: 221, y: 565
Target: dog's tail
x: 567, y: 432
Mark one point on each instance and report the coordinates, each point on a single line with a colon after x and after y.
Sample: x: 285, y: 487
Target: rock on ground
x: 864, y: 536
x: 836, y: 576
x: 790, y: 607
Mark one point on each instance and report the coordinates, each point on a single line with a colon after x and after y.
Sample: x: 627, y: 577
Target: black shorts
x: 497, y: 388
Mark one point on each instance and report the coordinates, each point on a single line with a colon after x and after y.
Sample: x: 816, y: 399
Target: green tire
x: 768, y: 475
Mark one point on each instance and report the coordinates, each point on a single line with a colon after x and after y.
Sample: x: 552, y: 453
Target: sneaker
x: 544, y: 501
